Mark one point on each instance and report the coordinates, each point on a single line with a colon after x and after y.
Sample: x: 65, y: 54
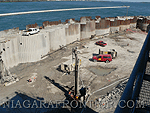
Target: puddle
x: 101, y: 71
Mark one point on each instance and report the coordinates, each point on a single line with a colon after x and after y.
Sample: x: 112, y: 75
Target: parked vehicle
x: 101, y: 43
x: 103, y: 58
x: 31, y: 31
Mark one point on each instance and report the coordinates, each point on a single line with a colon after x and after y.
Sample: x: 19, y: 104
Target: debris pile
x: 6, y: 77
x: 111, y: 99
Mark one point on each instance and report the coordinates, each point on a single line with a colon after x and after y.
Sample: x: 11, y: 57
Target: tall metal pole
x: 76, y: 73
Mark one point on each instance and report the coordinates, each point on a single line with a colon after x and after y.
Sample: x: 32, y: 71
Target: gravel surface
x: 127, y: 45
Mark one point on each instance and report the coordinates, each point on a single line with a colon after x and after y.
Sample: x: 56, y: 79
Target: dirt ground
x: 52, y: 84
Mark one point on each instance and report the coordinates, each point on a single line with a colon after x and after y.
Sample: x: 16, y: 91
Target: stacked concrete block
x: 87, y: 27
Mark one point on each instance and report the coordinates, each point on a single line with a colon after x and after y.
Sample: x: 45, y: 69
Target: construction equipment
x: 111, y: 51
x: 68, y: 67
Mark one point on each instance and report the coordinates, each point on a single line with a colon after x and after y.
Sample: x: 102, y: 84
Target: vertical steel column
x: 76, y: 74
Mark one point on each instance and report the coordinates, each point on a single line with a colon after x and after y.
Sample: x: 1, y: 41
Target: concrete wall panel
x: 102, y: 31
x: 72, y: 33
x: 57, y: 38
x: 124, y: 27
x: 25, y: 49
x: 87, y: 29
x: 114, y: 29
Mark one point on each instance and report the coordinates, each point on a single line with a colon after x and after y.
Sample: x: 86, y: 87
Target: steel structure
x: 136, y: 96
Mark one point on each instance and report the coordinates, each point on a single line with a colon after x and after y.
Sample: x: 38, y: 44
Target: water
x: 21, y: 21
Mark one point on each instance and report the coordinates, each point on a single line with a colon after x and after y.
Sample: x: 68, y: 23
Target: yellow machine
x: 112, y: 52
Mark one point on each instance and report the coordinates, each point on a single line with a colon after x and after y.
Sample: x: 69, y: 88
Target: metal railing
x: 127, y: 103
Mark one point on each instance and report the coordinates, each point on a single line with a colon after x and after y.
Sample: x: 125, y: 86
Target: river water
x: 9, y: 22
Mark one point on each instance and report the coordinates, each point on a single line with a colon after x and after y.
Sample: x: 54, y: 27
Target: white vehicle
x: 31, y: 31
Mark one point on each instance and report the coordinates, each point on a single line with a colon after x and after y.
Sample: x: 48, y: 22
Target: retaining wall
x: 22, y: 49
x: 87, y: 27
x: 9, y: 32
x: 57, y: 38
x: 133, y: 22
x: 103, y: 27
x: 114, y: 25
x: 72, y: 32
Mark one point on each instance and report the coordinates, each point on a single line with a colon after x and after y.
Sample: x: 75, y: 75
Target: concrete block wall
x: 102, y: 27
x: 10, y: 52
x: 33, y: 48
x: 24, y: 49
x: 72, y: 33
x: 87, y: 27
x: 102, y: 31
x: 62, y: 35
x: 133, y: 22
x: 114, y: 25
x: 124, y: 24
x: 21, y: 49
x: 57, y: 38
x: 10, y: 32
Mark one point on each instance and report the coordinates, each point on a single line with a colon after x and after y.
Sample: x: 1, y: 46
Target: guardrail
x: 132, y: 90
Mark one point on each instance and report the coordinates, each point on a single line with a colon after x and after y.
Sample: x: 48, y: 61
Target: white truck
x: 31, y: 31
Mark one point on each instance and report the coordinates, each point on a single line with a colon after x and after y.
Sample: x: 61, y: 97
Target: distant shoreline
x: 9, y: 1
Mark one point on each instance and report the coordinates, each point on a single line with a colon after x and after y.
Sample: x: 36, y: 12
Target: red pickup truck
x: 101, y: 43
x: 105, y: 58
